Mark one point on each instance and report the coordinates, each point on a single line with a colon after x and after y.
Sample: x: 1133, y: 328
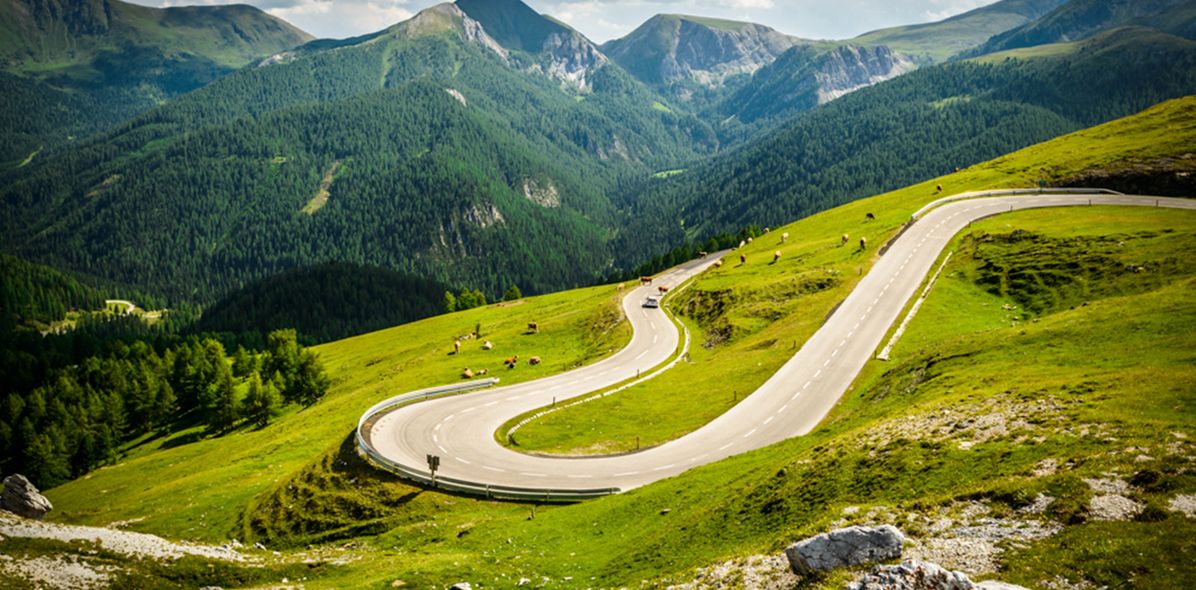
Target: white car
x: 651, y: 302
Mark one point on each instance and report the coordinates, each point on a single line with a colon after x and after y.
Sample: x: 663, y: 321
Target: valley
x: 472, y: 300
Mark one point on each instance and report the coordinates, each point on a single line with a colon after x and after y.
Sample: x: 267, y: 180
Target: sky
x: 601, y: 20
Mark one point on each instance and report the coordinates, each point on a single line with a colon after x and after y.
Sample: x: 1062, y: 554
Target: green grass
x: 661, y: 107
x: 173, y: 483
x: 667, y: 173
x: 1093, y: 387
x: 753, y: 317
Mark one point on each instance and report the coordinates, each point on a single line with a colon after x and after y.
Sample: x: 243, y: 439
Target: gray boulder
x: 920, y: 575
x: 912, y: 575
x: 844, y: 547
x: 21, y: 498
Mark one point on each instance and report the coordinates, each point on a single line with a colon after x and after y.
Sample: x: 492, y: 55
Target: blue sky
x: 606, y: 19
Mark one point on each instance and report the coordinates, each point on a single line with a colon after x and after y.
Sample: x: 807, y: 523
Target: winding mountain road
x: 460, y: 429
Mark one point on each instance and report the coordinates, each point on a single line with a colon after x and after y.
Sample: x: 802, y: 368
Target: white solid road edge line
x: 884, y: 354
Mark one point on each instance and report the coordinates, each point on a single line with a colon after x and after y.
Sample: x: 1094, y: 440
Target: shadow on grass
x: 338, y: 496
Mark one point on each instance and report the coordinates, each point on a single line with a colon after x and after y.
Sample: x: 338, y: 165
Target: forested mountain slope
x: 1080, y: 19
x: 915, y: 127
x: 326, y: 302
x: 428, y: 148
x: 75, y: 66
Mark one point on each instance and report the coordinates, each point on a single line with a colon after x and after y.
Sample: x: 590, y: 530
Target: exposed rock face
x: 484, y: 215
x: 544, y: 194
x: 571, y: 58
x: 849, y: 68
x: 557, y: 50
x: 845, y: 547
x: 805, y: 77
x: 21, y: 498
x: 920, y: 575
x: 670, y: 48
x: 461, y: 586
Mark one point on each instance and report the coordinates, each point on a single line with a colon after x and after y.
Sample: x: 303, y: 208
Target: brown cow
x: 743, y: 259
x: 869, y: 216
x: 846, y: 238
x: 939, y: 188
x: 535, y: 360
x: 533, y: 328
x: 510, y: 363
x: 645, y: 280
x: 663, y: 289
x: 863, y: 243
x: 776, y: 256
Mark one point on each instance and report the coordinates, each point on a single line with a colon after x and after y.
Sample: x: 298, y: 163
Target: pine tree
x: 450, y: 302
x: 512, y: 294
x: 261, y: 401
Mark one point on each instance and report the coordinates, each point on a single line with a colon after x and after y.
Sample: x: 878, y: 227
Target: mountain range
x: 482, y: 144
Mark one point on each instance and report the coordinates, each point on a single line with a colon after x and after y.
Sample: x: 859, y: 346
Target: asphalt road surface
x: 460, y: 429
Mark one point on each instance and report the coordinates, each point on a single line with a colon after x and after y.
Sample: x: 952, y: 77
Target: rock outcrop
x: 23, y: 499
x: 672, y: 48
x: 920, y: 575
x: 845, y: 547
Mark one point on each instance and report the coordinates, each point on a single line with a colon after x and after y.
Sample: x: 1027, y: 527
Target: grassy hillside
x: 940, y: 40
x: 899, y: 449
x: 73, y: 67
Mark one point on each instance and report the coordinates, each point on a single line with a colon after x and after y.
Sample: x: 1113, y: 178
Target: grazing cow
x: 939, y: 188
x: 702, y: 254
x: 535, y: 360
x: 645, y: 280
x: 863, y: 243
x: 487, y: 345
x: 456, y: 347
x: 621, y: 286
x: 718, y: 264
x: 481, y: 372
x: 766, y: 230
x: 870, y: 217
x: 743, y: 259
x: 846, y: 238
x: 510, y: 363
x: 776, y: 256
x: 749, y: 240
x: 466, y: 373
x: 663, y: 289
x: 533, y: 328
x: 784, y: 237
x: 742, y: 243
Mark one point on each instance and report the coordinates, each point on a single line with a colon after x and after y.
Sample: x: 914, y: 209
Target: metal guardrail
x: 422, y: 477
x: 1010, y: 191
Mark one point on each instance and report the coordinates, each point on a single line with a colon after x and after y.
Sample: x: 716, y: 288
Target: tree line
x: 82, y: 415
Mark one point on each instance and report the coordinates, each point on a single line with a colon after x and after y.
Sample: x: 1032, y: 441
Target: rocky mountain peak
x: 670, y: 48
x: 556, y: 49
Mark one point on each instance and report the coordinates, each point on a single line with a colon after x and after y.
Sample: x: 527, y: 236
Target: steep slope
x: 427, y: 148
x: 917, y: 441
x: 325, y: 302
x: 554, y: 48
x: 81, y: 65
x: 805, y: 77
x: 1079, y: 19
x: 31, y: 294
x: 673, y: 48
x: 915, y: 127
x: 937, y: 41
